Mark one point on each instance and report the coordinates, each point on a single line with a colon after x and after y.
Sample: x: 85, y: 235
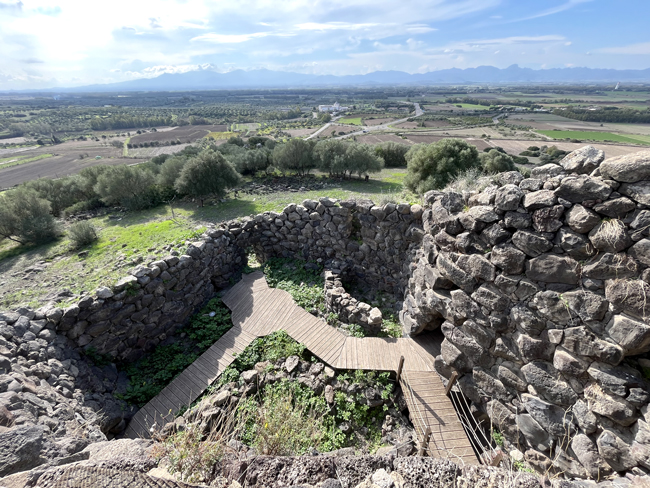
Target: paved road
x: 368, y: 128
x: 374, y: 128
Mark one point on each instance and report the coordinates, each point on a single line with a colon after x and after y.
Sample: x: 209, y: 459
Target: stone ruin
x: 539, y: 286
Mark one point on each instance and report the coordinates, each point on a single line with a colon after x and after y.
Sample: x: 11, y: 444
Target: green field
x: 243, y: 127
x: 351, y: 121
x: 596, y: 136
x: 471, y: 106
x: 22, y: 159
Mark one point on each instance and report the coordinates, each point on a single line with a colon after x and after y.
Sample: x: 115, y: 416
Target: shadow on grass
x: 33, y: 251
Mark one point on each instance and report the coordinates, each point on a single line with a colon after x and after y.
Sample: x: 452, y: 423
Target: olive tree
x: 432, y: 166
x: 129, y: 186
x: 496, y: 162
x: 294, y: 155
x: 207, y: 174
x: 25, y: 217
x: 330, y: 156
x: 362, y: 159
x: 170, y: 170
x: 393, y: 153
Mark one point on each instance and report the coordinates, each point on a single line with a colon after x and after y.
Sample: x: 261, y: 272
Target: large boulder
x: 632, y: 335
x: 639, y: 191
x: 582, y: 341
x: 20, y: 448
x: 581, y: 219
x: 583, y: 160
x: 547, y: 381
x: 551, y: 268
x: 610, y: 236
x: 613, y: 407
x: 587, y: 453
x: 629, y: 168
x: 630, y: 296
x: 581, y: 188
x: 557, y: 421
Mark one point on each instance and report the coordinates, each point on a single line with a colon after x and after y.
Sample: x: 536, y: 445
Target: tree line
x: 28, y: 212
x: 607, y: 114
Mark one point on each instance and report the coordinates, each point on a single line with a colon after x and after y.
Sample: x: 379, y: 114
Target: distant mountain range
x: 263, y: 78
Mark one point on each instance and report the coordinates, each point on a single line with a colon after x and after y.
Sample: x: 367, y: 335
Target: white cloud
x: 229, y: 38
x: 554, y: 10
x: 640, y: 48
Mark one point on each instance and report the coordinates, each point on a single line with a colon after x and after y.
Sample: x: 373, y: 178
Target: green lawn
x: 351, y: 121
x: 596, y: 136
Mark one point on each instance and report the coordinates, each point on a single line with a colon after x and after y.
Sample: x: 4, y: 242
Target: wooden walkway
x: 258, y: 310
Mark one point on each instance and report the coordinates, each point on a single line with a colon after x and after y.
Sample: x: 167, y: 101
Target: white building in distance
x: 332, y: 108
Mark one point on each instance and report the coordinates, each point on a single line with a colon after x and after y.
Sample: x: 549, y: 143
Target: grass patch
x: 305, y: 285
x: 351, y: 121
x: 130, y: 237
x: 220, y: 135
x: 270, y: 421
x: 596, y: 136
x: 471, y: 106
x: 17, y: 161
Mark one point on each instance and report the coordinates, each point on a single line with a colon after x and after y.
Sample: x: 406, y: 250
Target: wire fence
x: 430, y: 445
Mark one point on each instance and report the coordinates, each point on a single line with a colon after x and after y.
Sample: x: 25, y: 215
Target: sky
x: 47, y: 43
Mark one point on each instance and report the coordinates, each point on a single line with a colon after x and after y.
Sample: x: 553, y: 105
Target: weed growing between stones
x: 152, y: 373
x: 191, y: 455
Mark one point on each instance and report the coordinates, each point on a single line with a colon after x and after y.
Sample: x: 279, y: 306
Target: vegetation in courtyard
x: 294, y: 413
x: 156, y: 370
x: 303, y: 281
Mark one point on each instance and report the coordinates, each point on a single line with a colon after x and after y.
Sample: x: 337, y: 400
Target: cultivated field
x: 378, y: 121
x: 66, y: 159
x: 596, y: 136
x: 301, y: 132
x: 351, y: 121
x: 513, y: 146
x: 185, y: 134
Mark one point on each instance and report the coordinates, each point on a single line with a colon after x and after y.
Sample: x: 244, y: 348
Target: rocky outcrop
x: 541, y: 291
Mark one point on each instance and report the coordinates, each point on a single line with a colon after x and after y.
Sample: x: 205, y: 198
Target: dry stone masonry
x: 540, y: 287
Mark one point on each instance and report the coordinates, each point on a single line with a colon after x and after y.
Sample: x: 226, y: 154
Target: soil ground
x: 301, y: 132
x: 186, y: 134
x: 66, y: 160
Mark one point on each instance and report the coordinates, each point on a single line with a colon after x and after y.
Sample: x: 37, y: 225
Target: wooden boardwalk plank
x: 258, y: 310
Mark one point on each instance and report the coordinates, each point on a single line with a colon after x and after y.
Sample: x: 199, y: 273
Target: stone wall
x: 541, y: 288
x: 154, y: 301
x: 347, y: 308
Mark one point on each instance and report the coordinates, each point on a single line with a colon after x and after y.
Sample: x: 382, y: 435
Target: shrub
x: 432, y: 166
x: 207, y: 174
x: 82, y: 233
x: 286, y: 423
x: 26, y: 218
x: 497, y: 162
x: 128, y: 186
x: 393, y: 153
